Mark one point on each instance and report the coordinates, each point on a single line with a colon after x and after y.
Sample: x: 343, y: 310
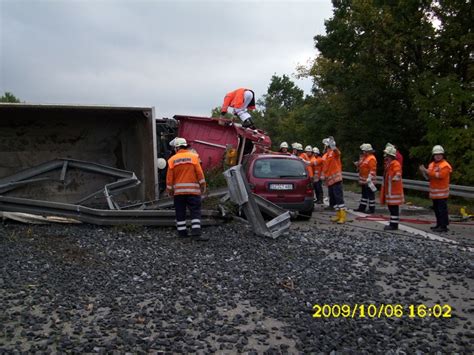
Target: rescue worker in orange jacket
x: 399, y: 156
x: 367, y: 167
x: 332, y: 174
x: 438, y: 174
x: 240, y: 100
x: 317, y: 169
x: 306, y: 157
x: 185, y: 182
x: 392, y: 189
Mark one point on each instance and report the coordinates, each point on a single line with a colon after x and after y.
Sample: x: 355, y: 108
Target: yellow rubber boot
x: 342, y: 217
x: 337, y: 217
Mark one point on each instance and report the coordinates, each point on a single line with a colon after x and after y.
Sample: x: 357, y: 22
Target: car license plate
x: 281, y: 187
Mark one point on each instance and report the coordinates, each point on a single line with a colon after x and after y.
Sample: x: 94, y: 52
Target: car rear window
x: 279, y: 168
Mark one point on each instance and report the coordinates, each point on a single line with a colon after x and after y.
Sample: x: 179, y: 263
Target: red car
x: 281, y: 179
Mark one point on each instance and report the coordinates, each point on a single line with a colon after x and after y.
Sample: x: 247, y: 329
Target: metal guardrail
x: 418, y: 185
x: 162, y: 218
x: 239, y: 192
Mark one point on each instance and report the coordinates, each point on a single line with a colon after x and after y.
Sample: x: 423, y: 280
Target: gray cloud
x: 179, y: 56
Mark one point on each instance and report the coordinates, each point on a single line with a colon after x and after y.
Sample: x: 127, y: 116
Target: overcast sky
x: 179, y: 56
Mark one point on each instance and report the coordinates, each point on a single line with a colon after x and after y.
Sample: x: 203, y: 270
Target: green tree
x: 371, y: 54
x: 9, y: 97
x: 443, y: 93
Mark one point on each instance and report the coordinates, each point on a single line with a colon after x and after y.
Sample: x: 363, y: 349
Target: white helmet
x: 366, y: 147
x: 390, y: 150
x: 316, y: 150
x: 283, y: 145
x: 308, y: 148
x: 294, y: 145
x: 180, y: 142
x: 326, y: 141
x: 389, y: 145
x: 299, y: 146
x: 161, y: 163
x: 437, y: 149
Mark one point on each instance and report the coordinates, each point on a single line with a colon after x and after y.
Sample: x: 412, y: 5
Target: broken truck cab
x: 214, y: 139
x: 218, y: 141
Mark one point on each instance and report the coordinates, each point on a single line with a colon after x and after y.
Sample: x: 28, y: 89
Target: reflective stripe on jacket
x: 185, y: 175
x: 392, y: 190
x: 235, y: 99
x: 439, y: 174
x: 367, y: 166
x: 332, y: 167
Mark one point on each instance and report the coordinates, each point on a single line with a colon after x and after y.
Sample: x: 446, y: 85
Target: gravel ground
x: 79, y: 288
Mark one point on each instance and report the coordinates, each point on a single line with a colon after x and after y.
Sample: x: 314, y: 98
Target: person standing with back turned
x: 367, y: 166
x: 185, y: 182
x: 392, y: 189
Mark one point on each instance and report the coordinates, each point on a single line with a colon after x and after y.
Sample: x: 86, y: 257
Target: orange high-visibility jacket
x: 392, y: 189
x: 332, y: 167
x: 367, y: 166
x: 185, y: 175
x: 439, y: 174
x: 318, y: 167
x: 235, y: 99
x: 307, y: 161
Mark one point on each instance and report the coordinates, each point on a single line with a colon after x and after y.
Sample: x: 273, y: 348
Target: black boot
x: 371, y: 210
x: 183, y: 234
x: 391, y: 227
x: 248, y: 123
x: 196, y: 234
x: 361, y: 208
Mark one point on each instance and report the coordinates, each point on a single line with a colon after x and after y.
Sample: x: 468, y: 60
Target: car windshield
x: 279, y: 168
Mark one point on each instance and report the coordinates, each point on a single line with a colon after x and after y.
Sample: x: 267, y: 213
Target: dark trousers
x: 368, y: 198
x: 440, y: 207
x: 336, y: 194
x: 193, y: 203
x: 394, y: 215
x: 318, y: 189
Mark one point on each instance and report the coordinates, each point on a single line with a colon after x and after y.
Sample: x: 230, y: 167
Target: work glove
x: 203, y: 189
